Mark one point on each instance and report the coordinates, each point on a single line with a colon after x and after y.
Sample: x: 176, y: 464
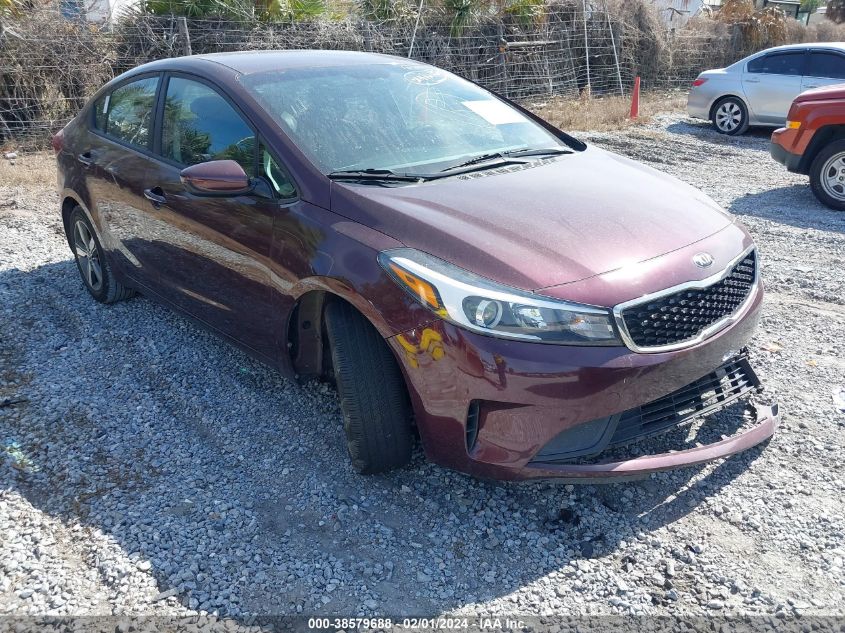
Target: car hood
x: 540, y: 224
x: 835, y: 91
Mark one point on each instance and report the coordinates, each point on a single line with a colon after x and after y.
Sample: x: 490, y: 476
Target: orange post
x: 635, y: 99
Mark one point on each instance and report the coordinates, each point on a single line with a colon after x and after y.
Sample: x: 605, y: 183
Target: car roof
x: 788, y: 47
x: 249, y: 62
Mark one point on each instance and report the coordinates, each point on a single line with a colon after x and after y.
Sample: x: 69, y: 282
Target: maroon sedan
x: 458, y: 267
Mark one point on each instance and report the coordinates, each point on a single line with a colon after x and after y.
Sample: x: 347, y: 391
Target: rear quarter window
x: 827, y: 65
x: 126, y: 113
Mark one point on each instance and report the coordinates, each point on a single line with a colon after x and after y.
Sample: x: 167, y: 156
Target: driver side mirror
x: 221, y: 177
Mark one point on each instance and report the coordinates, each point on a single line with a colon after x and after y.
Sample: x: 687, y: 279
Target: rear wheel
x: 93, y: 266
x: 827, y: 175
x: 373, y: 398
x: 730, y: 116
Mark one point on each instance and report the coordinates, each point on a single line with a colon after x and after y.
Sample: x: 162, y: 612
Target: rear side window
x: 828, y: 65
x: 126, y: 113
x: 199, y: 125
x: 778, y: 64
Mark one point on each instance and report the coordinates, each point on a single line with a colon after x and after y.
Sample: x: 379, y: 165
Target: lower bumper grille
x: 714, y: 391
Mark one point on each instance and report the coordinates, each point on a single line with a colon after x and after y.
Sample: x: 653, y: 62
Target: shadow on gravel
x: 794, y: 205
x: 232, y: 488
x: 755, y: 136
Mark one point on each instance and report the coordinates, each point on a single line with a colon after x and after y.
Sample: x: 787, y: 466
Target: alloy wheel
x: 833, y: 176
x: 87, y: 256
x: 728, y: 116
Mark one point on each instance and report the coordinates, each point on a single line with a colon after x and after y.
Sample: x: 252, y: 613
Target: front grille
x: 683, y: 315
x: 713, y: 391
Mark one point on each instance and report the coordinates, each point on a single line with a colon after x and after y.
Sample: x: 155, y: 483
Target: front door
x: 770, y: 84
x: 213, y: 251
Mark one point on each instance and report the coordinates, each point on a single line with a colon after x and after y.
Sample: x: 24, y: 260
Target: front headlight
x: 484, y: 306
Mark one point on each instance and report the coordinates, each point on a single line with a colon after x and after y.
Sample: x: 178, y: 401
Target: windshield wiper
x: 540, y: 151
x: 373, y: 174
x: 475, y: 160
x: 506, y: 155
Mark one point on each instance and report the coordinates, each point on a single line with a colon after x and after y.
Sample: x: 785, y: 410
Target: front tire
x: 730, y: 116
x: 373, y: 398
x: 91, y: 261
x: 827, y: 175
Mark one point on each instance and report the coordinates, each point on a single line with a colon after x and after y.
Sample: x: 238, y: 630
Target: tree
x: 810, y: 6
x: 836, y: 11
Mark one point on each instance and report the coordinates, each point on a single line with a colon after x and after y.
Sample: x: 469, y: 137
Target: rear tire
x: 827, y: 175
x: 730, y: 116
x: 91, y: 261
x: 373, y: 397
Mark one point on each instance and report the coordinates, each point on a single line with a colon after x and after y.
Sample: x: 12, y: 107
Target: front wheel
x: 373, y: 398
x: 730, y: 116
x: 827, y: 176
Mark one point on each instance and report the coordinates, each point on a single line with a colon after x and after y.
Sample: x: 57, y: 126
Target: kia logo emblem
x: 702, y: 260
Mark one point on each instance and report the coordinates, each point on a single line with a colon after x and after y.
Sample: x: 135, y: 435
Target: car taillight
x: 698, y: 82
x: 58, y: 141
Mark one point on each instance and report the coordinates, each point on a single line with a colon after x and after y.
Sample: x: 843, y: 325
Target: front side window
x: 126, y: 113
x: 778, y: 64
x: 398, y: 116
x: 827, y: 65
x: 199, y: 125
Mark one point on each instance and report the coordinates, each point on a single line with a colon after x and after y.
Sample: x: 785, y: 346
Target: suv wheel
x: 730, y: 116
x: 373, y: 398
x: 827, y: 175
x: 93, y: 266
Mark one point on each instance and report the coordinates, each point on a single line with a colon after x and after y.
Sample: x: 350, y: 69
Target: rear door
x: 826, y: 67
x: 771, y: 82
x: 115, y: 156
x: 213, y: 251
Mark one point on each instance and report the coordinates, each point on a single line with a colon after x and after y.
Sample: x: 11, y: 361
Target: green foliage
x: 199, y: 8
x: 377, y: 10
x: 810, y: 6
x: 461, y: 14
x: 10, y: 7
x: 526, y: 12
x: 295, y: 10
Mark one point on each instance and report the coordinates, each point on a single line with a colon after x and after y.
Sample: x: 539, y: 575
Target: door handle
x: 156, y: 196
x: 813, y: 86
x: 86, y: 158
x: 752, y: 81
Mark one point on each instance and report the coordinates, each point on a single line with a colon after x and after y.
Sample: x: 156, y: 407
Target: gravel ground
x: 149, y: 468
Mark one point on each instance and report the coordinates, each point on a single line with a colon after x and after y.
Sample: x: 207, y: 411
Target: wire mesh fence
x: 50, y: 64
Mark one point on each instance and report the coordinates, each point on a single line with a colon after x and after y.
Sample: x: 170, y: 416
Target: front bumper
x: 518, y: 397
x: 781, y: 139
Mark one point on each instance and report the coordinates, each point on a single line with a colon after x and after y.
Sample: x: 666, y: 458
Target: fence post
x: 587, y: 48
x: 615, y: 55
x: 503, y: 58
x: 186, y: 37
x: 416, y: 26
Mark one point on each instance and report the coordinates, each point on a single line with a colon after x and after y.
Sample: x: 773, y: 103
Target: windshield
x: 395, y: 116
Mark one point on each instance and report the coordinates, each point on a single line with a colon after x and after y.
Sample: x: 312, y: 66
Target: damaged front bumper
x: 637, y: 468
x: 510, y: 410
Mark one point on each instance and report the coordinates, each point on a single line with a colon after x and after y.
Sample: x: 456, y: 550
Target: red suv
x: 813, y: 142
